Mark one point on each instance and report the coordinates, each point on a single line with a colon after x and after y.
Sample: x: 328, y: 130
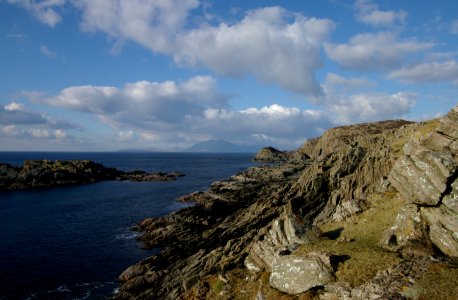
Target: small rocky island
x: 368, y: 211
x: 47, y: 173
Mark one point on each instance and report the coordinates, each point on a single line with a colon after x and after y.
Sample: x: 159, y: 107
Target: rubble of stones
x: 46, y: 173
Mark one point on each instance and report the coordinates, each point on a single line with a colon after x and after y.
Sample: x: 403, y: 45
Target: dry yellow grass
x: 361, y: 258
x: 440, y: 282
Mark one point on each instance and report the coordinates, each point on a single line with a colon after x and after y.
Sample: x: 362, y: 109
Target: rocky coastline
x: 47, y: 173
x: 367, y: 211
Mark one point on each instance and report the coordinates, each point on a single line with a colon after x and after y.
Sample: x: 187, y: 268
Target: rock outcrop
x: 257, y: 216
x: 426, y: 176
x: 47, y: 173
x: 271, y: 155
x: 260, y: 221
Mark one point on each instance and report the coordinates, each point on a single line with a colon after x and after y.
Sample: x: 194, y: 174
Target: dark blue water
x: 73, y: 242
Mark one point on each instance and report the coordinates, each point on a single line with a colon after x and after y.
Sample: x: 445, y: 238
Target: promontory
x: 49, y: 173
x: 368, y: 211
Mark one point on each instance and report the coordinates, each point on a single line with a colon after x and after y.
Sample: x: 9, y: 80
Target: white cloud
x: 60, y: 134
x: 13, y: 131
x: 14, y: 106
x: 143, y: 102
x: 19, y: 122
x: 334, y: 81
x: 47, y: 52
x: 348, y: 101
x: 44, y: 11
x: 427, y: 72
x: 454, y: 27
x: 264, y: 43
x: 369, y: 13
x: 270, y: 43
x: 10, y: 130
x: 373, y: 51
x: 275, y: 123
x: 16, y: 113
x: 151, y: 23
x: 123, y: 136
x: 171, y: 114
x: 366, y: 107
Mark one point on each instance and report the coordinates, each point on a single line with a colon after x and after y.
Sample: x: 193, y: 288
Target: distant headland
x: 47, y: 173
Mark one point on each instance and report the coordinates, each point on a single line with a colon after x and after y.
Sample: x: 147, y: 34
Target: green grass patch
x: 361, y: 258
x: 440, y: 283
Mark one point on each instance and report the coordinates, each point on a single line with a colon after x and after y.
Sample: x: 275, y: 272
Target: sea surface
x: 73, y: 242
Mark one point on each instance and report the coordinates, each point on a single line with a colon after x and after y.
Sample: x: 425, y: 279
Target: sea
x: 73, y: 242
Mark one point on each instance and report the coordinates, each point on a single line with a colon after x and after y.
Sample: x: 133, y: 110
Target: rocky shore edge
x: 48, y: 173
x: 368, y: 211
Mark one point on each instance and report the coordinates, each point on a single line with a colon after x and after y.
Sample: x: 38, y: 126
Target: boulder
x: 297, y: 274
x: 406, y: 228
x: 281, y: 236
x: 443, y: 228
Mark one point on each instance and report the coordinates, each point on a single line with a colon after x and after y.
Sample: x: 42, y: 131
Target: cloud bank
x: 177, y: 114
x: 269, y: 43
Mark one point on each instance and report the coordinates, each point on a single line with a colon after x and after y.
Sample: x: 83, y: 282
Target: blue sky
x: 100, y: 75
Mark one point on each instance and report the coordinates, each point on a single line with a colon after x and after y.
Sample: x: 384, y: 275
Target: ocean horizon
x: 73, y: 242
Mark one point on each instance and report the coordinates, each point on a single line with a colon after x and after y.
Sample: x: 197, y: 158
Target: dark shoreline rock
x: 36, y: 174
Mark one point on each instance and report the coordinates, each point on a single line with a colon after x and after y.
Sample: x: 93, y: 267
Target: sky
x: 103, y: 75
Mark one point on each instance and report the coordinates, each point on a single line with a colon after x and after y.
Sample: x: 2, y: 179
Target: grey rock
x: 426, y: 176
x: 270, y: 154
x: 406, y: 228
x: 297, y: 274
x: 284, y: 232
x: 443, y: 228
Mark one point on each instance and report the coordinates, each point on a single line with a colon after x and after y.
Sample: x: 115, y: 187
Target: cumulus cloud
x: 275, y: 124
x: 47, y: 52
x: 16, y: 113
x: 13, y: 131
x: 44, y: 11
x: 427, y: 72
x: 372, y: 51
x: 271, y: 44
x: 348, y: 101
x: 170, y: 114
x: 369, y: 13
x: 265, y: 43
x: 335, y: 82
x: 365, y: 107
x: 151, y: 23
x: 17, y: 121
x: 123, y: 136
x: 143, y: 102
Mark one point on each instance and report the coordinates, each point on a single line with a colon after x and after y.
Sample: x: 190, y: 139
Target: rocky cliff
x: 317, y: 226
x: 47, y: 173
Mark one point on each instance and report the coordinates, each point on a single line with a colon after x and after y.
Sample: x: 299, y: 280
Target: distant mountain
x: 222, y: 146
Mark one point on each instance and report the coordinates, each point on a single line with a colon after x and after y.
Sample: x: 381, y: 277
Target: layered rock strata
x: 259, y: 216
x: 426, y: 176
